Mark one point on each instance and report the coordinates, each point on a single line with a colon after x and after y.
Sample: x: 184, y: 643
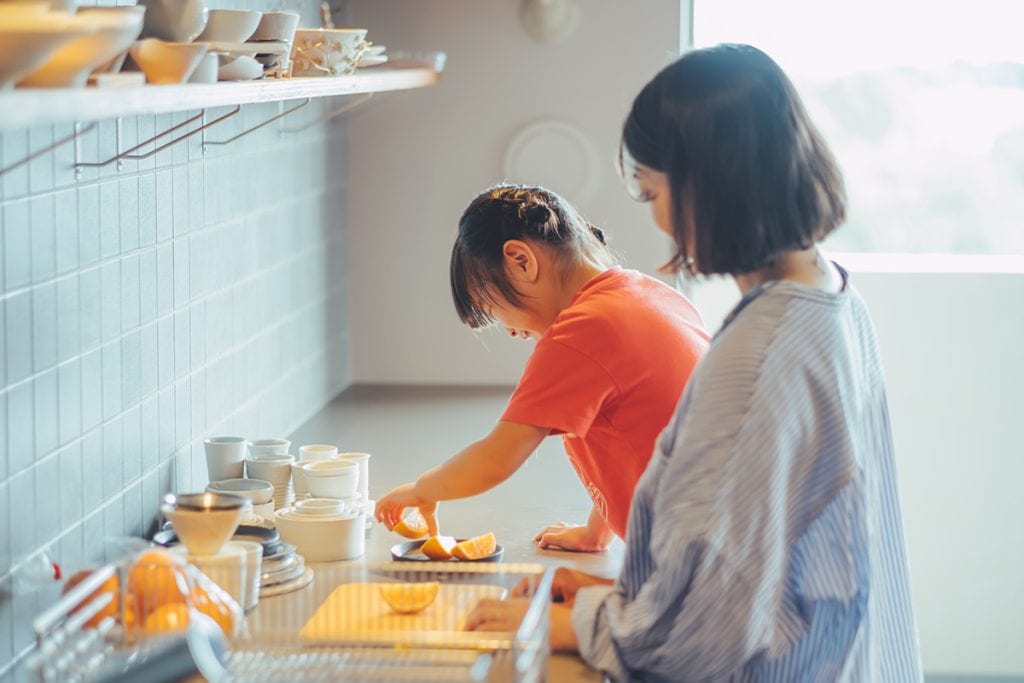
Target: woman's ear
x: 520, y: 261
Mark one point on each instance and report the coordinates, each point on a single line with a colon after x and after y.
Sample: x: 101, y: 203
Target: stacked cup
x: 317, y: 452
x: 269, y: 460
x: 225, y: 457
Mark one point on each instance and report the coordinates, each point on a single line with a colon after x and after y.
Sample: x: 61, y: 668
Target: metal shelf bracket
x: 49, y: 148
x: 261, y: 125
x: 348, y: 106
x: 129, y: 153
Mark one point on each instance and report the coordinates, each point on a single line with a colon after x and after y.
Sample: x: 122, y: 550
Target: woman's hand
x: 506, y: 615
x: 390, y: 508
x: 563, y: 586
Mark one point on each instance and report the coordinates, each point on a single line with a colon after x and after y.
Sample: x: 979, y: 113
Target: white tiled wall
x: 146, y: 307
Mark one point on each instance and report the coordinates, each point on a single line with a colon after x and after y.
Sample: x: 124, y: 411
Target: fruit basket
x: 354, y: 622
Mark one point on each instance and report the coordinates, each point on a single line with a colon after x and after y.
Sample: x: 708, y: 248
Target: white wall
x: 411, y: 177
x: 950, y: 343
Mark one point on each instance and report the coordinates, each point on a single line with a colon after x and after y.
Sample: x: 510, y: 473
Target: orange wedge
x: 412, y: 526
x: 438, y: 548
x: 475, y: 548
x: 409, y: 598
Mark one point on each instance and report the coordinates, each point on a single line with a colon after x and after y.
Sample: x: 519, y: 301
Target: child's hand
x: 389, y: 509
x: 575, y: 537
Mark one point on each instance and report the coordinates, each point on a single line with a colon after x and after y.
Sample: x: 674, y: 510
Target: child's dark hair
x: 728, y: 128
x: 514, y: 212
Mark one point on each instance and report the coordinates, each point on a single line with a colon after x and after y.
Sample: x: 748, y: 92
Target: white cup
x: 268, y: 446
x: 299, y: 480
x: 225, y: 457
x: 317, y: 452
x: 363, y: 460
x: 273, y: 467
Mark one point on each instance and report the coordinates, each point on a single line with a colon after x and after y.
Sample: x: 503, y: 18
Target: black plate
x: 409, y: 551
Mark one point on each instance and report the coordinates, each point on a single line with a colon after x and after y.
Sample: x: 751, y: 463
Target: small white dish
x: 230, y: 25
x: 256, y: 490
x: 332, y: 478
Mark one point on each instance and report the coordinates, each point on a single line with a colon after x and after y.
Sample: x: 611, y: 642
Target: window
x: 921, y: 102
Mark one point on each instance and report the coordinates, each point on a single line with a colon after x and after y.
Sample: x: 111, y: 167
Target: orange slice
x: 412, y: 526
x: 438, y: 548
x: 409, y: 598
x: 475, y: 548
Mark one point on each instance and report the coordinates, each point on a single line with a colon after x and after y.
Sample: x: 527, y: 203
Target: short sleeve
x: 562, y: 389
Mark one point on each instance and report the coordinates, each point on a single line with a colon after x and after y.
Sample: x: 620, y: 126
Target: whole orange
x: 157, y: 578
x: 111, y: 586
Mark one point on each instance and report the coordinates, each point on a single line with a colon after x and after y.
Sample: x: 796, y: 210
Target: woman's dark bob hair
x: 742, y: 157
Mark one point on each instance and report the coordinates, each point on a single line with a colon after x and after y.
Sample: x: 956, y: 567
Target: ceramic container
x: 70, y: 65
x: 269, y: 446
x: 230, y: 25
x: 258, y: 491
x: 228, y: 568
x: 205, y: 521
x: 327, y: 51
x: 29, y: 37
x: 332, y: 478
x: 299, y: 480
x: 323, y: 536
x: 241, y: 68
x: 165, y: 63
x: 206, y: 72
x: 272, y: 467
x: 363, y: 460
x: 225, y: 455
x: 174, y: 20
x: 277, y: 26
x: 317, y: 451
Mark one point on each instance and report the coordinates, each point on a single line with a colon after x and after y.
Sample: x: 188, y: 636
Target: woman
x: 764, y: 541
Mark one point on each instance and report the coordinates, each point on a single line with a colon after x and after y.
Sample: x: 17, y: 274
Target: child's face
x: 518, y: 320
x: 653, y: 187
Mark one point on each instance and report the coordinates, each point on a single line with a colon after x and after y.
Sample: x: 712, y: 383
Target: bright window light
x: 923, y: 104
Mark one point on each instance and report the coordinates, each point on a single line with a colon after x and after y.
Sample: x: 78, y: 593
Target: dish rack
x: 342, y: 627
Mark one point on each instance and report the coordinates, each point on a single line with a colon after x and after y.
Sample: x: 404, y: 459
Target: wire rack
x: 354, y: 622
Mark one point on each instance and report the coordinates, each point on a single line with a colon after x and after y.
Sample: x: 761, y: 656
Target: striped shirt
x: 764, y: 539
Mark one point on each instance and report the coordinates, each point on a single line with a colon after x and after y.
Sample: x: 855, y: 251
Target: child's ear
x: 520, y: 260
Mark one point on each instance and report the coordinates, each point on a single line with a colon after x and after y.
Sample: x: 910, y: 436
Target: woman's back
x: 766, y: 536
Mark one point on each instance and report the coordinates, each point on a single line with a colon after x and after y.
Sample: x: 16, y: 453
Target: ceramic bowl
x: 258, y: 491
x: 317, y: 451
x: 269, y: 446
x: 332, y: 478
x: 327, y: 51
x: 272, y: 467
x: 363, y: 460
x: 167, y: 62
x: 205, y: 521
x: 70, y: 65
x: 206, y: 72
x: 323, y: 538
x: 301, y: 488
x: 29, y: 38
x: 241, y: 68
x: 230, y: 25
x: 178, y: 21
x: 276, y: 26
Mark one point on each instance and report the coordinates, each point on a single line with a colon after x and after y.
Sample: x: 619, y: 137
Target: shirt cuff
x: 592, y: 633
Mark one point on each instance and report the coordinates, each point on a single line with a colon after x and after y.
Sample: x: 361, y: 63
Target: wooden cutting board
x: 356, y: 612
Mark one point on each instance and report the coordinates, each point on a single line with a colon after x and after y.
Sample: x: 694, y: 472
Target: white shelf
x: 27, y: 107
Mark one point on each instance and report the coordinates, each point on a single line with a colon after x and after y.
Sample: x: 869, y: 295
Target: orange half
x: 476, y: 548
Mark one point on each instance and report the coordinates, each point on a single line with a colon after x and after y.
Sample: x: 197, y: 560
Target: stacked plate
x: 283, y: 572
x: 284, y: 495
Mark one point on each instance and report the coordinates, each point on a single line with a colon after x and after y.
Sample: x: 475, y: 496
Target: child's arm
x: 478, y: 467
x: 594, y: 536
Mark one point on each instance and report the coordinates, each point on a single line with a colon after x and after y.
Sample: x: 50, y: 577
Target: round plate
x: 288, y: 586
x: 409, y: 551
x: 553, y: 154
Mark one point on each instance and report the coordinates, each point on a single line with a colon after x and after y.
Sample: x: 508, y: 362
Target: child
x: 614, y: 350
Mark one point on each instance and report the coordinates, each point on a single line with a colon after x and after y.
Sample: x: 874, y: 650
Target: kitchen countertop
x: 408, y: 429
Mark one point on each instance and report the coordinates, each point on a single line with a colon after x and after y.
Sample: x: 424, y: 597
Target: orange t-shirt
x: 607, y: 375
